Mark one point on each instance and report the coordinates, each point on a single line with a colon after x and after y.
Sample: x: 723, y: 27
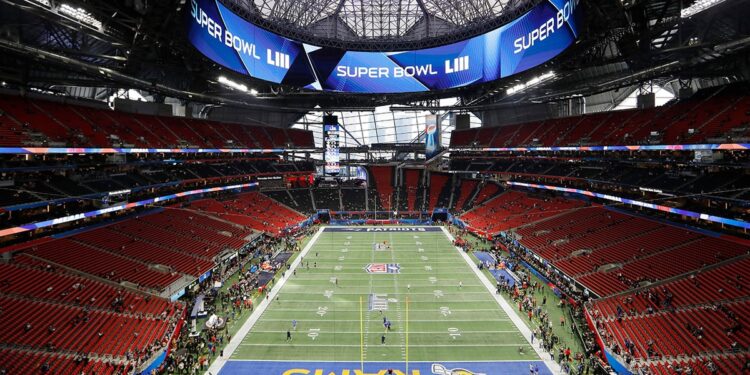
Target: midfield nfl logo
x: 383, y: 268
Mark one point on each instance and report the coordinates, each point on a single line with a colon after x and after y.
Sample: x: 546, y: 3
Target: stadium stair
x: 438, y: 183
x: 383, y: 180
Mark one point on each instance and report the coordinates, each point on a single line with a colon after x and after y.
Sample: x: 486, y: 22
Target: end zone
x: 383, y: 229
x: 237, y: 367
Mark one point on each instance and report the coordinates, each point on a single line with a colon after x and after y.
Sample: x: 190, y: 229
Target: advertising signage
x: 530, y: 40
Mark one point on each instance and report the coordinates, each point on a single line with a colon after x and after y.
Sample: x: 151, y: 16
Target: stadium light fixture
x: 530, y: 83
x: 44, y: 3
x: 81, y: 15
x: 232, y: 84
x: 42, y: 91
x: 237, y: 86
x: 699, y: 6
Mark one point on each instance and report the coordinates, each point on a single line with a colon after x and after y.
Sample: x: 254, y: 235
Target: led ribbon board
x: 612, y: 198
x: 693, y: 147
x: 98, y: 150
x: 119, y: 207
x: 118, y: 150
x: 532, y: 39
x: 332, y: 156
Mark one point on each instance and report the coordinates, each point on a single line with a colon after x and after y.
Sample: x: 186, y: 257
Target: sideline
x: 219, y: 362
x: 517, y: 321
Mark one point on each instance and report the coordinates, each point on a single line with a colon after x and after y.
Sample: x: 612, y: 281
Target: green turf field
x: 444, y: 321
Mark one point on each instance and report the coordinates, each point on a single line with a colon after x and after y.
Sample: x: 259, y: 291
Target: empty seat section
x: 102, y: 264
x: 412, y: 178
x: 131, y: 247
x: 488, y: 191
x: 383, y: 181
x: 84, y: 126
x: 52, y: 284
x: 438, y: 183
x: 712, y: 115
x: 513, y: 209
x: 466, y: 189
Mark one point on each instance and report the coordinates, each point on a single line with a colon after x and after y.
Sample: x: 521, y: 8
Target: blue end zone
x: 485, y: 257
x: 237, y: 367
x: 383, y: 229
x: 503, y: 274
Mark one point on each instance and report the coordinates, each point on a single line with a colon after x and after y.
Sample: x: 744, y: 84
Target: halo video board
x: 530, y: 40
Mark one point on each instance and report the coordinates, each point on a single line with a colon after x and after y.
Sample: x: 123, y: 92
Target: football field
x: 351, y: 281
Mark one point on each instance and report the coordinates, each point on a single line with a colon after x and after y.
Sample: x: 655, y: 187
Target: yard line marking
x: 398, y: 304
x: 454, y: 332
x: 445, y: 310
x: 429, y: 301
x: 276, y: 332
x: 366, y: 323
x: 313, y: 333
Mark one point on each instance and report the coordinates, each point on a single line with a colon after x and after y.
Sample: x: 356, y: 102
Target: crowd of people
x: 242, y: 287
x: 531, y: 297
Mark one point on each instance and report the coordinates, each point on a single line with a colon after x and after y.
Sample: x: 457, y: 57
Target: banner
x: 331, y: 143
x: 233, y: 366
x: 431, y: 136
x: 383, y: 229
x: 672, y: 210
x: 119, y: 207
x: 531, y: 40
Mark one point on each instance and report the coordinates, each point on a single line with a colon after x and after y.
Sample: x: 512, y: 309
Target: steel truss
x: 379, y: 25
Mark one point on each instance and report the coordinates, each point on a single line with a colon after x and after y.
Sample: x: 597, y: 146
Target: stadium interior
x: 170, y: 170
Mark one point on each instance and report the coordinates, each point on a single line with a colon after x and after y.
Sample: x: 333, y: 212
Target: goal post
x: 406, y: 329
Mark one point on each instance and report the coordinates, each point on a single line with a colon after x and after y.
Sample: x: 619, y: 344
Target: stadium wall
x: 278, y: 119
x: 517, y: 113
x: 144, y: 108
